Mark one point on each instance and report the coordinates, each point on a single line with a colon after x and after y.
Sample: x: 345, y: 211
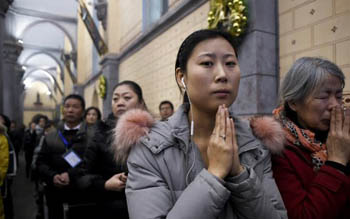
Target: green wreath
x: 230, y: 15
x: 102, y: 86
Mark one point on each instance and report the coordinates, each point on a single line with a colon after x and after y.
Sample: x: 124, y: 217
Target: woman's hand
x: 223, y: 150
x: 338, y: 141
x: 116, y: 182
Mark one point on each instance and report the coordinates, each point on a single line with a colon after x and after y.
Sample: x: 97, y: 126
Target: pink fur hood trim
x: 270, y: 132
x: 132, y: 125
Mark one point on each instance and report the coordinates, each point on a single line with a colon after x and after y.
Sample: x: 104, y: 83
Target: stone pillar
x: 4, y: 5
x: 78, y: 89
x: 110, y: 69
x: 12, y: 75
x: 258, y: 59
x: 20, y: 94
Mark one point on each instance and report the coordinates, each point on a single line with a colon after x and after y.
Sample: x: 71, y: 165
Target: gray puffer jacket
x: 168, y: 179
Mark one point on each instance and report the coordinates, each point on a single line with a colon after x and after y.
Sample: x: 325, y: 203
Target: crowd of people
x: 200, y: 161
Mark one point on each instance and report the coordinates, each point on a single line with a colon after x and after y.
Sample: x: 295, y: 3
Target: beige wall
x: 315, y: 28
x: 30, y: 98
x: 153, y: 66
x: 131, y: 17
x: 31, y: 95
x: 84, y: 50
x: 113, y: 26
x: 91, y: 96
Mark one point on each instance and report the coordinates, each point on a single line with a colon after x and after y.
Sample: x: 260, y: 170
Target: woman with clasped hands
x: 201, y: 163
x: 312, y: 173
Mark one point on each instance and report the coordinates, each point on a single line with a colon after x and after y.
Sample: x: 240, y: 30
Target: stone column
x: 258, y: 59
x: 12, y: 74
x: 110, y: 69
x: 20, y: 93
x: 4, y: 5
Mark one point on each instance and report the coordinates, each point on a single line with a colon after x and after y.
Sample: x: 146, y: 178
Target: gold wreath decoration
x: 229, y: 14
x: 102, y: 86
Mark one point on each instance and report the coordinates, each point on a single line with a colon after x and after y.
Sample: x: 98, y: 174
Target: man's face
x: 165, y: 111
x: 73, y: 111
x: 42, y: 122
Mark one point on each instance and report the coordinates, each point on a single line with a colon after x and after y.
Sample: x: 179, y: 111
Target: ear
x: 143, y: 105
x: 179, y: 75
x: 293, y: 105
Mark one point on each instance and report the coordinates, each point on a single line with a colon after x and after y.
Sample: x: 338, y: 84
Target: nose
x: 70, y: 109
x: 220, y: 73
x: 120, y: 102
x: 333, y: 102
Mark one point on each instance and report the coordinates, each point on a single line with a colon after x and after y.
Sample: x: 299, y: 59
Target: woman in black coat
x: 103, y: 177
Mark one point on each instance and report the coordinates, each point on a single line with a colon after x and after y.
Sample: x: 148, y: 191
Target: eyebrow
x: 122, y: 94
x: 212, y: 55
x: 327, y: 90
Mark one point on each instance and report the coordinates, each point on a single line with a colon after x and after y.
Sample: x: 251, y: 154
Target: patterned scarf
x: 302, y: 138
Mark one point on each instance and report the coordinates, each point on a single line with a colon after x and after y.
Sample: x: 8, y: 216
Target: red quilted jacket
x: 308, y: 194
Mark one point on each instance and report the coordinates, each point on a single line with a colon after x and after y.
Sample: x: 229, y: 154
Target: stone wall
x: 315, y: 28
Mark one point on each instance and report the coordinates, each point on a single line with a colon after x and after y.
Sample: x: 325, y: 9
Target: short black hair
x: 93, y: 108
x: 6, y: 120
x: 77, y: 97
x: 166, y: 102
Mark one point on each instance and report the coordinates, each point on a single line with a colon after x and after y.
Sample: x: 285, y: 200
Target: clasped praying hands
x: 222, y: 151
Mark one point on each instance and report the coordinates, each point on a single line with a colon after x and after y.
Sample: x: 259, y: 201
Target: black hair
x: 166, y: 102
x: 49, y: 124
x: 6, y: 120
x: 93, y: 108
x: 188, y: 45
x: 77, y: 97
x: 39, y: 116
x: 134, y: 87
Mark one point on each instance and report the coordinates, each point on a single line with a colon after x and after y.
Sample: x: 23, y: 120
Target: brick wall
x: 315, y: 28
x: 153, y: 67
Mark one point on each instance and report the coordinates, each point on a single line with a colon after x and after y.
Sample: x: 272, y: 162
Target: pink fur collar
x: 270, y: 132
x: 131, y: 126
x: 136, y: 123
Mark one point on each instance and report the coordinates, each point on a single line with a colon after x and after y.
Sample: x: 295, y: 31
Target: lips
x: 223, y: 91
x: 121, y: 111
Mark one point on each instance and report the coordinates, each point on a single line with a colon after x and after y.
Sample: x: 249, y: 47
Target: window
x: 152, y: 11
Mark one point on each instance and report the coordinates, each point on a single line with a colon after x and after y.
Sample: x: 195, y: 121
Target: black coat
x: 30, y: 140
x: 101, y: 166
x: 50, y: 158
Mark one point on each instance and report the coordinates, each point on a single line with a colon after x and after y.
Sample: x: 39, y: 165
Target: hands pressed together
x: 338, y: 141
x: 222, y: 150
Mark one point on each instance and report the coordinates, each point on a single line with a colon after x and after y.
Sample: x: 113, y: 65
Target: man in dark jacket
x: 60, y: 158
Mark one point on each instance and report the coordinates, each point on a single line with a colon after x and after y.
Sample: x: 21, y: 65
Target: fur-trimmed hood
x: 136, y: 124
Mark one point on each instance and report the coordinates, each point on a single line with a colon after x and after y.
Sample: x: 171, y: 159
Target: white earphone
x: 183, y: 82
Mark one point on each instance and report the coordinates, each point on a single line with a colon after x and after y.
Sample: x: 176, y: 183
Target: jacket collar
x: 82, y: 128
